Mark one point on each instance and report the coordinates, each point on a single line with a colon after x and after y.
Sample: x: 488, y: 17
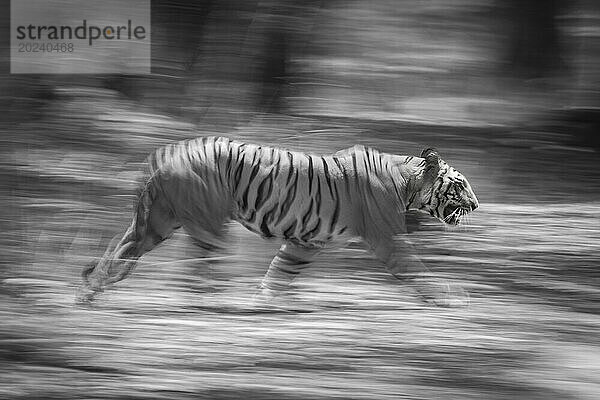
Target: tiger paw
x: 443, y: 294
x: 264, y: 299
x: 268, y: 300
x: 85, y: 295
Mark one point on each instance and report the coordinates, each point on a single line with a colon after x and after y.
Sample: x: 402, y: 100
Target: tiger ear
x: 431, y: 156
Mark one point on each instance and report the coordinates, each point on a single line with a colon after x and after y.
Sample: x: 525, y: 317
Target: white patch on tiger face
x: 451, y: 196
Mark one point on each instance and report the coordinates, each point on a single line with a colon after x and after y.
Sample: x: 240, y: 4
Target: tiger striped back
x: 306, y: 198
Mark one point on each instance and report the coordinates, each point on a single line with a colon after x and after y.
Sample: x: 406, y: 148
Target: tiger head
x: 441, y: 190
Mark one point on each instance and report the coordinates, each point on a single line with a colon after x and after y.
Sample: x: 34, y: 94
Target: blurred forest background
x: 508, y: 91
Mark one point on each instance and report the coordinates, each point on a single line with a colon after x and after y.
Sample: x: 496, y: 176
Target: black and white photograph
x: 298, y: 200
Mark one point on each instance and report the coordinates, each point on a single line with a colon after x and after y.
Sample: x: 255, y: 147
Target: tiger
x: 307, y: 201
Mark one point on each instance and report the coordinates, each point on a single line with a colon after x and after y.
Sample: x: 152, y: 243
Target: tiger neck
x: 402, y: 173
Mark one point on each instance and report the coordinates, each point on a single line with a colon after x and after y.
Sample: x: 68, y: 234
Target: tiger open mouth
x: 453, y: 214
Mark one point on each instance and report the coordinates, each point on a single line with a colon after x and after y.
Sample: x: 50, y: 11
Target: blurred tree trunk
x: 274, y: 69
x: 533, y: 38
x: 177, y: 27
x: 181, y: 24
x: 273, y: 29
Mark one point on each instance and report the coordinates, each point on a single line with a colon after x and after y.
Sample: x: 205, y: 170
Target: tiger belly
x: 304, y: 219
x: 307, y: 231
x: 287, y: 195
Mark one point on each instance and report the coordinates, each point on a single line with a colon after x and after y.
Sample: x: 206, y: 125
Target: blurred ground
x: 177, y: 328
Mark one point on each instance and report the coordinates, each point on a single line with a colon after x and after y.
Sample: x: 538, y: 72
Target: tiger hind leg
x: 287, y: 264
x: 152, y: 223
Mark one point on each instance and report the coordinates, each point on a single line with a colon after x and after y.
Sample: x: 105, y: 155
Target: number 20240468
x: 45, y: 47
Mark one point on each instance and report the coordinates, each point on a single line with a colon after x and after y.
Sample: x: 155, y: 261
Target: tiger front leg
x: 402, y: 262
x: 287, y: 264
